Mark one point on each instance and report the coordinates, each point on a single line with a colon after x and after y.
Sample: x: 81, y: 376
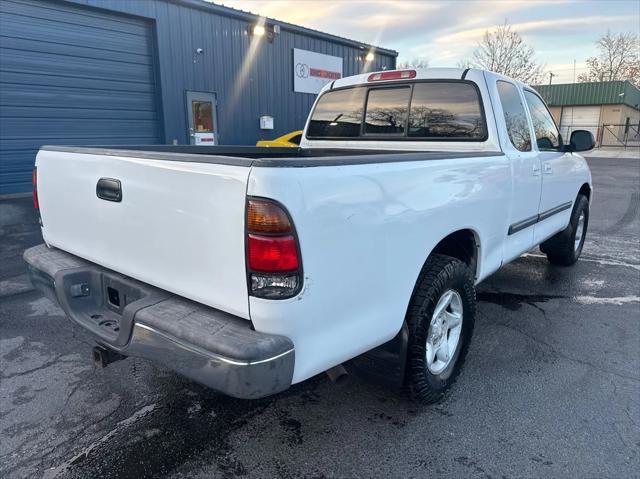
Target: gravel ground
x: 551, y: 387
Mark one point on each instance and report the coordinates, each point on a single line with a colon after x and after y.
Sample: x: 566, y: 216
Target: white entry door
x: 201, y: 111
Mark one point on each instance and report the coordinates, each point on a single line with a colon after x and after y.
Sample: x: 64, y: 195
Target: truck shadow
x: 171, y: 426
x: 168, y: 425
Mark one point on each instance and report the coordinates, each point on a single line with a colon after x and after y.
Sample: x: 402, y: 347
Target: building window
x: 202, y: 117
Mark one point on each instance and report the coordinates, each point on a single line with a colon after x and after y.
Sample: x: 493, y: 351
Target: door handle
x: 536, y: 170
x: 109, y: 189
x: 547, y: 168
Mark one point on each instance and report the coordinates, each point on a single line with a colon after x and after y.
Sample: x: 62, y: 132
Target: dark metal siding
x: 115, y: 48
x: 71, y: 75
x: 182, y: 26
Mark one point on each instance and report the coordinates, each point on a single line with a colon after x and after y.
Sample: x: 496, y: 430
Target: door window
x: 202, y: 116
x: 547, y: 135
x: 296, y: 139
x: 515, y: 116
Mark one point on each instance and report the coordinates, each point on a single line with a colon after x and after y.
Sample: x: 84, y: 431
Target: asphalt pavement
x: 551, y: 386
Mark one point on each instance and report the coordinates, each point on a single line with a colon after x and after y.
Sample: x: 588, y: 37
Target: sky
x: 446, y: 32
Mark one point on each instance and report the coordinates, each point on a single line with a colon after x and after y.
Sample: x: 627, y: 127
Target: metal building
x: 609, y: 109
x: 106, y: 72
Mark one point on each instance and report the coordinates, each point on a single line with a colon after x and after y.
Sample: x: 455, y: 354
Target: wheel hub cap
x: 579, y: 232
x: 444, y: 331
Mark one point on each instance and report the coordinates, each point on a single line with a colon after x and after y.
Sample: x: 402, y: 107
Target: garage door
x: 71, y: 75
x: 579, y: 118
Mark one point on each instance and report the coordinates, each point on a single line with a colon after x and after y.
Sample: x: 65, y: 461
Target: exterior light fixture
x: 263, y: 29
x: 370, y: 57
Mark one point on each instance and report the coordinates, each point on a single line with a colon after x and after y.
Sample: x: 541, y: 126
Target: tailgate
x: 179, y: 225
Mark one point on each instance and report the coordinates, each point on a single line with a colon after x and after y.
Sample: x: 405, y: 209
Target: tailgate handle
x: 109, y: 189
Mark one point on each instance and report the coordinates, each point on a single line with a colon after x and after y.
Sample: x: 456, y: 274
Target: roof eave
x: 252, y: 18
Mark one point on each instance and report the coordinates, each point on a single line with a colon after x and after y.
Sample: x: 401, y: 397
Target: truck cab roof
x: 420, y: 74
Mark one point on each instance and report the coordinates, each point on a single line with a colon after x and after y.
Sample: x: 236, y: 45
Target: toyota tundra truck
x: 251, y: 269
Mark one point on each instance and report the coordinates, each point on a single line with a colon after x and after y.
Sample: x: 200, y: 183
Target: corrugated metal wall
x: 267, y: 89
x: 263, y: 86
x: 600, y: 93
x: 69, y: 75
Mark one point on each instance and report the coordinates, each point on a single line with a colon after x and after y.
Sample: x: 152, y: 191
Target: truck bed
x: 268, y: 157
x: 178, y: 219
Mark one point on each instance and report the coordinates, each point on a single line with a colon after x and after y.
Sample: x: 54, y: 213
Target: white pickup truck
x: 250, y: 269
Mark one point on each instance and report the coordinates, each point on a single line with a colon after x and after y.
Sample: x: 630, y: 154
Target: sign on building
x: 312, y: 71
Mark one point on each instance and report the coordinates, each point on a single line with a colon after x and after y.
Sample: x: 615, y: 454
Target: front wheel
x: 440, y: 319
x: 564, y: 248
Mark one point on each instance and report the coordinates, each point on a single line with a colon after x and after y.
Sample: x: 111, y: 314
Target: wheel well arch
x: 386, y: 364
x: 585, y: 190
x: 462, y: 244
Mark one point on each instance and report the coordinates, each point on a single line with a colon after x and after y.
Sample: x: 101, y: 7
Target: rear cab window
x: 338, y: 114
x: 386, y: 111
x: 416, y: 111
x: 446, y: 110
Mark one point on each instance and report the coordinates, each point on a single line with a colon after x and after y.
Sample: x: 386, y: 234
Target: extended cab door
x: 515, y: 137
x: 558, y: 175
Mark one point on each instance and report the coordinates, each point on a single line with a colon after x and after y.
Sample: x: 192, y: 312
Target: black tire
x: 439, y: 274
x: 560, y: 249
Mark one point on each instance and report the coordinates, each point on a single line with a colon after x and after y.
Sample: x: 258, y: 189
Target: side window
x: 296, y: 139
x: 387, y: 111
x: 547, y: 135
x: 514, y: 116
x: 338, y: 114
x: 446, y: 110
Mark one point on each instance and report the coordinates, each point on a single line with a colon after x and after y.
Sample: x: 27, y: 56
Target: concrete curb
x: 630, y: 152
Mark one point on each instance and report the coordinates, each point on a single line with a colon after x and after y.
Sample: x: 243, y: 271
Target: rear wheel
x: 440, y: 319
x: 565, y: 248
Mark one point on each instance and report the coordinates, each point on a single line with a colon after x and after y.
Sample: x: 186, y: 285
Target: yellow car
x: 290, y: 140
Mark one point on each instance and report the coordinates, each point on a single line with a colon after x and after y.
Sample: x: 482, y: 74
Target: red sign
x: 317, y: 72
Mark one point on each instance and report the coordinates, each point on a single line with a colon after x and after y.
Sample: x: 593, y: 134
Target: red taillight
x: 269, y: 254
x: 392, y: 75
x: 34, y: 181
x: 274, y: 268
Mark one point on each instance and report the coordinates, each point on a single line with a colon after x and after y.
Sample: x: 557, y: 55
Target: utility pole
x: 551, y: 75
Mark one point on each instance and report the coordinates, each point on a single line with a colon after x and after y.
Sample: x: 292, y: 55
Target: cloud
x: 536, y: 26
x: 445, y: 32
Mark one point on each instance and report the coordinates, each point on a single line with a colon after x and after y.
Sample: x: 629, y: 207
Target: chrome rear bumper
x: 132, y: 318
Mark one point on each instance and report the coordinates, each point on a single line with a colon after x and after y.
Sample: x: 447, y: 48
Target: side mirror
x: 581, y: 140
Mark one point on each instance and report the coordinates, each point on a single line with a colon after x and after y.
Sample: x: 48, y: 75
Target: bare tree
x: 617, y: 59
x: 504, y: 51
x: 414, y: 63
